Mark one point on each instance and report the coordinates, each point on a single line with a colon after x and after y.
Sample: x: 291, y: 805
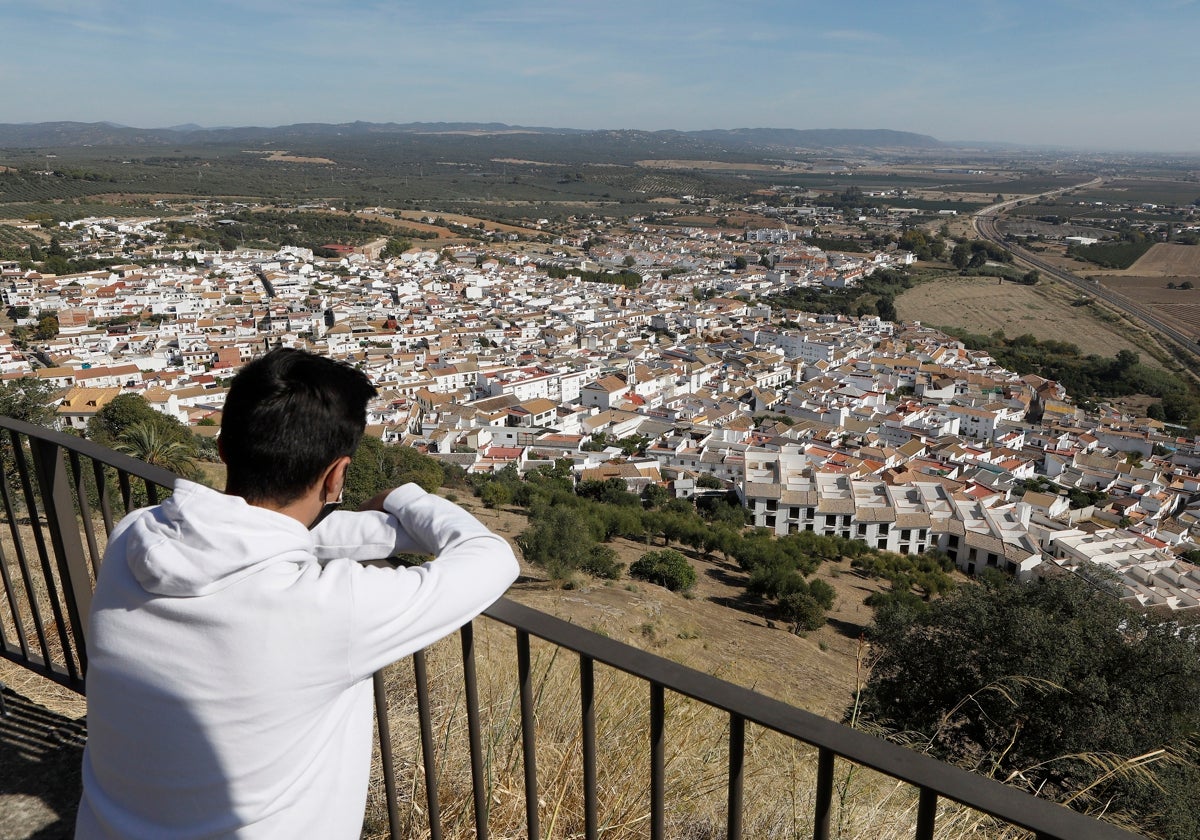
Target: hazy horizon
x: 1097, y: 76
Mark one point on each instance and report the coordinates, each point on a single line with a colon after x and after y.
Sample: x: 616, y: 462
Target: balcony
x: 524, y: 725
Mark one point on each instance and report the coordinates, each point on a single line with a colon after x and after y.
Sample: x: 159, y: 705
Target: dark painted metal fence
x: 62, y: 495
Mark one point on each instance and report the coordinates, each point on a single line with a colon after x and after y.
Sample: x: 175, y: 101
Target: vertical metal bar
x: 528, y: 742
x: 474, y: 732
x: 39, y: 541
x: 737, y: 775
x: 75, y: 578
x: 926, y: 813
x: 151, y: 491
x: 126, y: 490
x: 385, y: 755
x: 658, y: 762
x: 102, y: 492
x: 23, y: 566
x: 587, y: 697
x: 11, y: 597
x: 824, y: 805
x: 85, y: 511
x: 428, y: 759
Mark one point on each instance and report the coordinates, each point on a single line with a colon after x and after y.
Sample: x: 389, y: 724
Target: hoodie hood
x: 200, y: 541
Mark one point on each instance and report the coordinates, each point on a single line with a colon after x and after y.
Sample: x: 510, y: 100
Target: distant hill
x: 70, y: 134
x: 821, y: 138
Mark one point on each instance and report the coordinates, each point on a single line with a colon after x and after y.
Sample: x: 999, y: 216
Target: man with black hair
x: 233, y: 635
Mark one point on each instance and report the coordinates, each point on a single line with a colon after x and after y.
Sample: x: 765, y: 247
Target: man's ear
x: 335, y: 479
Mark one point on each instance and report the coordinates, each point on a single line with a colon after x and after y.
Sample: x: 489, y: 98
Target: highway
x: 985, y: 224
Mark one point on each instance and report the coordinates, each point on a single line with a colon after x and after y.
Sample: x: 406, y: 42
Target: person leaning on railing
x: 232, y: 635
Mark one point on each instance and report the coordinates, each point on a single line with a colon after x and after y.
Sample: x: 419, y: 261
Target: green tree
x: 376, y: 466
x: 495, y: 494
x: 560, y: 540
x: 151, y: 443
x: 960, y: 256
x: 803, y: 610
x: 395, y: 247
x: 655, y: 495
x: 108, y: 426
x: 1031, y: 680
x: 47, y: 328
x: 666, y: 568
x: 27, y: 399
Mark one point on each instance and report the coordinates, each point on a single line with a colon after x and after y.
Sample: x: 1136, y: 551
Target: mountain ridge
x: 71, y: 134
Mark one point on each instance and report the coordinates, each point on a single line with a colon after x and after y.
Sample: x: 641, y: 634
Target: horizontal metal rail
x: 55, y: 488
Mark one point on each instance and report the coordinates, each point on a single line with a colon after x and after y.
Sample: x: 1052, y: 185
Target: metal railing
x: 60, y: 495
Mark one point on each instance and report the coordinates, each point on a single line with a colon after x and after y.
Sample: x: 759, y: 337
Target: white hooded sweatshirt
x: 230, y: 651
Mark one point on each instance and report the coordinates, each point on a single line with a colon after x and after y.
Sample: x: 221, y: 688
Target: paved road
x: 985, y: 224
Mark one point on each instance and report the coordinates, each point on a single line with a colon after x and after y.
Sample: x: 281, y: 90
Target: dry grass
x: 780, y: 774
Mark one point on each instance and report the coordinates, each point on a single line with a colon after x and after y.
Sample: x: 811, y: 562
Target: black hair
x: 288, y: 416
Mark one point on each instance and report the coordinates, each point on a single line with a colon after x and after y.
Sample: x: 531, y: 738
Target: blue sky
x: 1102, y: 74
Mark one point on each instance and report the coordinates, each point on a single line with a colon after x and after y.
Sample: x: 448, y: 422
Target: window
x: 770, y: 521
x: 830, y: 520
x: 883, y: 529
x: 862, y: 529
x: 906, y: 534
x: 882, y: 543
x: 772, y: 504
x: 904, y: 549
x: 794, y: 512
x: 846, y: 520
x: 808, y: 512
x: 922, y: 534
x: 952, y: 541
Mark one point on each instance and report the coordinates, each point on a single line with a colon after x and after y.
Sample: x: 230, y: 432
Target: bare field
x: 714, y: 165
x: 469, y: 221
x: 981, y: 305
x: 1167, y: 259
x: 1181, y: 306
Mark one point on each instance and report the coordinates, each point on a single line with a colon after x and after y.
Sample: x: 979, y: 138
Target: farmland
x: 982, y: 305
x: 1146, y: 281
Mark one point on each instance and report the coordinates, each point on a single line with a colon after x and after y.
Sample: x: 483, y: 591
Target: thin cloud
x: 862, y: 36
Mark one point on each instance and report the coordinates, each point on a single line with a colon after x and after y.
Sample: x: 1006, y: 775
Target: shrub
x: 666, y: 568
x: 601, y: 561
x: 802, y: 609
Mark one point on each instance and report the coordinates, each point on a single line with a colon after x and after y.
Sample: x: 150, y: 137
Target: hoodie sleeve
x: 398, y: 611
x: 367, y: 535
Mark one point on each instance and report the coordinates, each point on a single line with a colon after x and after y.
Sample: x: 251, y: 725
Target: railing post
x: 528, y: 740
x: 474, y: 732
x: 737, y: 775
x: 824, y: 794
x: 75, y: 576
x: 658, y: 762
x: 425, y: 717
x: 926, y: 813
x: 587, y: 698
x: 385, y: 755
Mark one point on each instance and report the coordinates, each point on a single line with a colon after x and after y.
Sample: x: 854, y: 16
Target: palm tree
x: 148, y: 443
